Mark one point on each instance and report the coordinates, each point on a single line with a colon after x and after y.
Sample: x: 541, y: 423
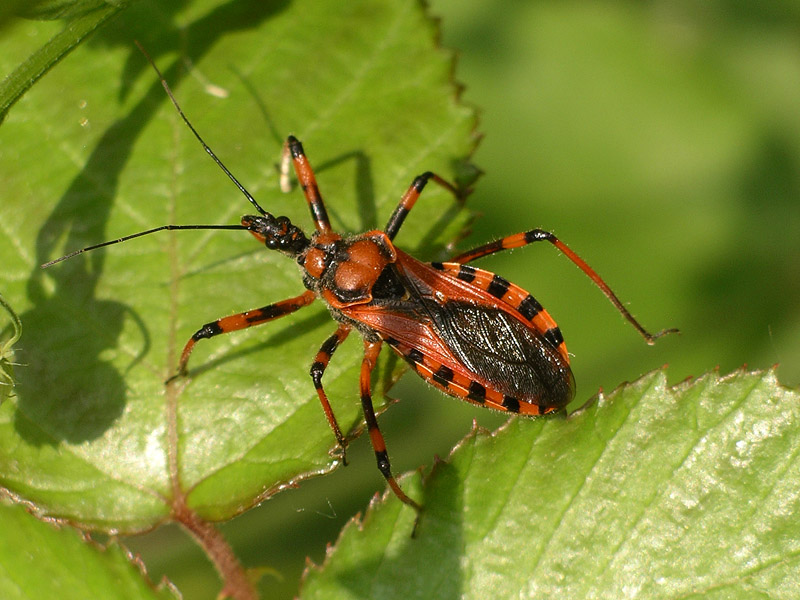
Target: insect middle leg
x: 409, y: 199
x: 371, y: 351
x: 318, y: 367
x: 539, y: 235
x: 243, y: 320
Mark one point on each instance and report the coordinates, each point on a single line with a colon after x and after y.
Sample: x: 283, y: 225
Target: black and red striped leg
x: 371, y: 351
x: 410, y: 198
x: 538, y: 235
x: 318, y: 367
x: 243, y: 320
x: 305, y: 176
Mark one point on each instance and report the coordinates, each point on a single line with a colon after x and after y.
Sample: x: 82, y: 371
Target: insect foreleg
x: 239, y: 321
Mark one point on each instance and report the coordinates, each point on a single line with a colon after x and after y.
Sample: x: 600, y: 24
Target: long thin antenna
x: 140, y: 234
x: 197, y: 135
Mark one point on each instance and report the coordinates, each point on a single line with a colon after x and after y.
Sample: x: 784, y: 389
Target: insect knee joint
x: 317, y: 369
x: 383, y: 463
x: 207, y: 331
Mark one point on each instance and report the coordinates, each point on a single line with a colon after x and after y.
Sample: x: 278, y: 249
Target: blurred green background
x: 661, y: 140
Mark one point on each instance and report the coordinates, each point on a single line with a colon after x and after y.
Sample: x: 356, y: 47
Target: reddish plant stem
x: 235, y: 584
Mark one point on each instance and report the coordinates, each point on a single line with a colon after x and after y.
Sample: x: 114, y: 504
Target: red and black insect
x: 466, y: 331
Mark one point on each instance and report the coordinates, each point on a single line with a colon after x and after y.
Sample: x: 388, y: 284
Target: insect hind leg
x: 539, y: 235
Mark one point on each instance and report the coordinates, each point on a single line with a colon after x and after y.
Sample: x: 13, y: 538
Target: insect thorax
x: 345, y: 271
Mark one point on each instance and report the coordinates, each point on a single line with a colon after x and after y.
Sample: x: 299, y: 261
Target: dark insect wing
x: 501, y: 349
x: 470, y: 342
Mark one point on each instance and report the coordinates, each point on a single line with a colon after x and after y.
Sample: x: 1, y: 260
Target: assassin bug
x: 466, y: 331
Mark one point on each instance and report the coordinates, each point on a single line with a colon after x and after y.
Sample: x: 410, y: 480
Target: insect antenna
x: 208, y: 150
x: 136, y: 235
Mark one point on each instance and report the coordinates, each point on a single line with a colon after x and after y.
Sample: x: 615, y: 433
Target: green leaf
x: 649, y: 492
x: 66, y: 9
x: 10, y: 332
x: 95, y: 151
x: 41, y: 560
x: 85, y: 16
